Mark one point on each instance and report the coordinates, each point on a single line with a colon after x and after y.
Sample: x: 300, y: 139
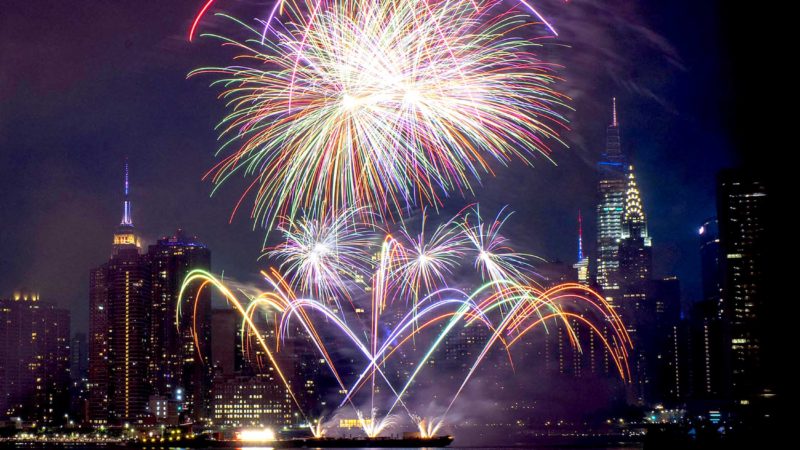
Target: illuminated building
x: 98, y: 346
x: 633, y: 273
x: 250, y: 400
x: 582, y: 264
x: 118, y: 329
x: 664, y: 340
x: 708, y: 371
x: 175, y: 371
x: 244, y: 393
x: 560, y: 356
x: 635, y: 254
x: 610, y: 209
x: 79, y: 378
x: 34, y: 359
x: 742, y: 203
x: 710, y: 262
x: 635, y: 260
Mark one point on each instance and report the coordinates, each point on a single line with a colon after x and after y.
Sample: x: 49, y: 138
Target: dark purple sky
x: 83, y: 84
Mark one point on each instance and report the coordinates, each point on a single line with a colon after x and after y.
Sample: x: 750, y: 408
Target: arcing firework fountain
x: 409, y: 274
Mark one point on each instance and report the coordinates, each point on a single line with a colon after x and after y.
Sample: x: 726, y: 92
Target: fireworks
x: 348, y: 114
x: 422, y: 317
x: 495, y: 259
x: 382, y: 103
x: 317, y: 254
x: 428, y: 427
x: 428, y: 257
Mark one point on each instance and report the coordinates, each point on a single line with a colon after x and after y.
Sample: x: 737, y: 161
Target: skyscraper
x: 175, y: 369
x: 635, y: 257
x: 709, y: 371
x: 635, y: 254
x: 663, y: 340
x: 610, y: 209
x: 119, y: 328
x: 79, y: 378
x: 710, y: 262
x: 636, y: 307
x: 582, y: 264
x: 742, y: 200
x: 98, y: 346
x: 34, y: 359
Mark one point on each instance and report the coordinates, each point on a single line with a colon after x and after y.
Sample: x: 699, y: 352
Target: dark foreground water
x: 566, y: 445
x: 532, y: 446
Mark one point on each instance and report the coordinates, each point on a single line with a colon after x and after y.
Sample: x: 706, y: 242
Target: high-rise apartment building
x: 709, y: 372
x: 742, y: 202
x: 177, y: 370
x: 34, y: 359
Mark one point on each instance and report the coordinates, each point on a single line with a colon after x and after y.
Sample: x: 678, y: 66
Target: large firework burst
x: 382, y: 103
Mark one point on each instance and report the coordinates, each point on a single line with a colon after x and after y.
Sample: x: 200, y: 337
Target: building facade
x: 34, y: 359
x: 709, y: 373
x: 742, y: 202
x: 119, y: 297
x: 610, y: 209
x: 176, y: 368
x: 250, y: 400
x: 245, y: 393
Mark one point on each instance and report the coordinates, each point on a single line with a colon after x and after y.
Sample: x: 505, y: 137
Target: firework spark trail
x: 390, y: 103
x: 316, y: 254
x: 428, y: 426
x: 495, y: 259
x: 278, y: 7
x: 407, y: 324
x: 532, y: 301
x: 206, y: 278
x: 426, y: 261
x: 508, y: 306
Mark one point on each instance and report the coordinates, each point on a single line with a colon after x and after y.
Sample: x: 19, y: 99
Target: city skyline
x: 89, y: 198
x: 451, y: 227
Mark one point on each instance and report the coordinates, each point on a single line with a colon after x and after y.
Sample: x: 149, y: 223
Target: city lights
x: 477, y: 223
x: 256, y: 435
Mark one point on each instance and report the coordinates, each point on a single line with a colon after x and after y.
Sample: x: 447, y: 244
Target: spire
x: 582, y: 265
x: 126, y: 211
x: 633, y: 202
x: 613, y: 154
x: 614, y: 122
x: 580, y: 237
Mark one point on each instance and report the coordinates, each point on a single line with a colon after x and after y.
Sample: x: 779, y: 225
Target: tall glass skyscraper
x: 610, y: 209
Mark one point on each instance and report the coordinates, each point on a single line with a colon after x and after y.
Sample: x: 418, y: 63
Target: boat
x: 205, y: 441
x: 386, y: 442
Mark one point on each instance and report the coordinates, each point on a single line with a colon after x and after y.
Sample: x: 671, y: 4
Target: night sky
x: 85, y: 84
